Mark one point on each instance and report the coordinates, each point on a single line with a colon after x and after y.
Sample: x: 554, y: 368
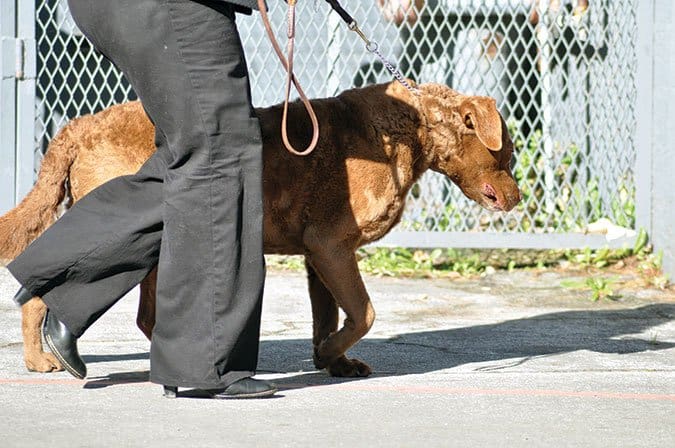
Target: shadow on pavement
x: 508, y: 343
x: 118, y: 378
x: 105, y: 358
x: 514, y: 341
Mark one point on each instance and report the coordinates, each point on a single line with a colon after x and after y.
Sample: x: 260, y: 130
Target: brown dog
x: 375, y: 143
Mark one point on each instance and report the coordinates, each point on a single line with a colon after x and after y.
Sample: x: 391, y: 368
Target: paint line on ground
x: 379, y: 388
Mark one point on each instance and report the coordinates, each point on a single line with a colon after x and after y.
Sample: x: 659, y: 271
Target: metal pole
x: 546, y: 55
x: 25, y: 100
x: 657, y: 37
x: 8, y: 69
x: 644, y: 49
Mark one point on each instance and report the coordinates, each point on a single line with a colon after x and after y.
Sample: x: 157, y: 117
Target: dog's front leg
x: 36, y: 359
x: 325, y: 315
x: 338, y: 279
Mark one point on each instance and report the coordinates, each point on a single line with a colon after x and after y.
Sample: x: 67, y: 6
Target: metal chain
x: 394, y: 71
x: 373, y: 47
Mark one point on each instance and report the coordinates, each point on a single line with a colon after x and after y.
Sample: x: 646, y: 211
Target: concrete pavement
x: 513, y: 359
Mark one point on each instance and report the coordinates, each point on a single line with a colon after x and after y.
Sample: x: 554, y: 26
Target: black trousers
x: 194, y: 209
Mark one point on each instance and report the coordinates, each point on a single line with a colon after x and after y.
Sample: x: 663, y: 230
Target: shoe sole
x: 63, y: 362
x: 263, y: 394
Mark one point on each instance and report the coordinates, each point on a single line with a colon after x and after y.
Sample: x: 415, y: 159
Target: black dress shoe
x: 22, y: 296
x: 63, y: 345
x: 244, y: 388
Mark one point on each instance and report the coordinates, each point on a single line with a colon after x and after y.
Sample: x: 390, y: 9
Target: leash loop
x: 371, y: 47
x: 290, y: 78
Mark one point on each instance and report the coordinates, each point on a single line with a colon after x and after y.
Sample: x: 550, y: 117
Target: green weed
x: 599, y: 287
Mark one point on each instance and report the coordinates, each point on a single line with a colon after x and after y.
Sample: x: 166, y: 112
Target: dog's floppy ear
x: 480, y: 113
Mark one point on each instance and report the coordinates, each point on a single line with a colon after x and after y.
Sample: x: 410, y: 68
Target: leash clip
x: 371, y: 46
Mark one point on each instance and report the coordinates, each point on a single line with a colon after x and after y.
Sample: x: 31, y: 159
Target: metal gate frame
x: 17, y: 99
x: 657, y: 169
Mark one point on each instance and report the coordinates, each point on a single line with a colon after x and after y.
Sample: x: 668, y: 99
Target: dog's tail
x: 39, y: 209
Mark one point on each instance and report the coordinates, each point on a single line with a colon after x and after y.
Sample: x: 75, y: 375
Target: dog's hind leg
x: 340, y: 279
x: 324, y: 307
x: 145, y: 319
x: 37, y: 360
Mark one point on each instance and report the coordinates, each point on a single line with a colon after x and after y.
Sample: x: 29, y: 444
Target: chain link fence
x: 563, y: 73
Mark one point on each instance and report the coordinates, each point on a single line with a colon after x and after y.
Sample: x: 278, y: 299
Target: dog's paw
x: 320, y: 362
x: 43, y: 362
x: 350, y: 368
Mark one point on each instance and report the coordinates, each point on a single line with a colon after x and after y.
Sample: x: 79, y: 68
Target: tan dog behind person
x: 375, y: 143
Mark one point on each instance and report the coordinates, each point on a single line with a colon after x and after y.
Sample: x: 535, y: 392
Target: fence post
x: 643, y: 111
x: 7, y: 103
x: 663, y: 132
x: 17, y: 100
x: 25, y: 100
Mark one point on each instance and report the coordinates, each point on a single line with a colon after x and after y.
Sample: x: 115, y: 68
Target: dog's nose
x: 503, y: 199
x: 490, y: 193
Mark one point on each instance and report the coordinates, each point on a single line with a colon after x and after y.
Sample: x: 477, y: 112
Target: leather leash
x: 371, y: 46
x: 290, y: 78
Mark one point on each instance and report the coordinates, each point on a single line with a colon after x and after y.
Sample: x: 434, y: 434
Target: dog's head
x: 468, y: 141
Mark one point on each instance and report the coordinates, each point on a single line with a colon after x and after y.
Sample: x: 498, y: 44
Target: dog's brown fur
x: 375, y: 143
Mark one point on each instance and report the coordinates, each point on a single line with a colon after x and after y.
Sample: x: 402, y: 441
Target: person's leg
x: 211, y: 268
x: 74, y: 265
x: 44, y: 265
x: 185, y: 61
